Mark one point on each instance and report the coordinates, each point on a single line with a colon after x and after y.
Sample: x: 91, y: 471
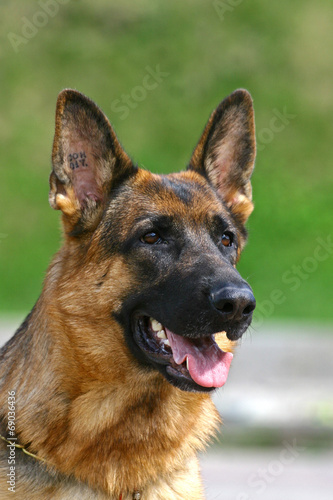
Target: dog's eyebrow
x: 218, y: 222
x: 161, y: 221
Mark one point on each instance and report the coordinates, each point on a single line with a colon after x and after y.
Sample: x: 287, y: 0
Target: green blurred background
x: 280, y: 51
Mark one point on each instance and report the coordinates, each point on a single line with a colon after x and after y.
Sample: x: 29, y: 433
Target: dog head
x: 157, y: 254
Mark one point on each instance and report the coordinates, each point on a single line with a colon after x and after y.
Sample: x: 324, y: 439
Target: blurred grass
x: 313, y: 439
x: 281, y: 52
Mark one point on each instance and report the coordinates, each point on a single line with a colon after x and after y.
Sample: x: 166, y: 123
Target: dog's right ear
x: 87, y: 161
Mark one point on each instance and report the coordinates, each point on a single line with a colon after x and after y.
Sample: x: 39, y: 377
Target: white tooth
x: 187, y: 363
x: 156, y: 326
x: 166, y: 342
x: 161, y: 334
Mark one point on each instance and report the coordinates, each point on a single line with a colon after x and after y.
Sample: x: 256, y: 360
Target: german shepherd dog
x: 105, y: 387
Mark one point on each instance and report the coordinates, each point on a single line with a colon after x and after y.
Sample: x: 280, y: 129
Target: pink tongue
x: 207, y: 363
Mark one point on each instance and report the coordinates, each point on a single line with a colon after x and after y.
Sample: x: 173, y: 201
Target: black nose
x: 234, y: 302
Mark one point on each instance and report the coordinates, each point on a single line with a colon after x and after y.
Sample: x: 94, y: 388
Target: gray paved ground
x: 281, y: 381
x: 274, y: 474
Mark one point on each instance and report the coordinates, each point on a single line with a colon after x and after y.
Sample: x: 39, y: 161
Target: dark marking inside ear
x: 87, y: 161
x: 77, y: 160
x: 84, y: 178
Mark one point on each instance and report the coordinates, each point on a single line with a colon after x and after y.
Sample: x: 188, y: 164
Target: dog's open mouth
x: 199, y: 360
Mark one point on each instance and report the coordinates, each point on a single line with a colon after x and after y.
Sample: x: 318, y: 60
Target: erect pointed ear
x: 226, y: 151
x: 87, y: 160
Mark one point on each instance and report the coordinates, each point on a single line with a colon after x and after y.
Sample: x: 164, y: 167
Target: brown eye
x: 151, y: 238
x: 227, y: 239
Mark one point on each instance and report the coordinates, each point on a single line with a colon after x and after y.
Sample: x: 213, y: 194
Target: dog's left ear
x: 225, y: 153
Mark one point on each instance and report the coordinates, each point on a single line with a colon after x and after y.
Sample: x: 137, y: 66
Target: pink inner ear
x: 86, y: 188
x: 83, y: 172
x: 221, y: 165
